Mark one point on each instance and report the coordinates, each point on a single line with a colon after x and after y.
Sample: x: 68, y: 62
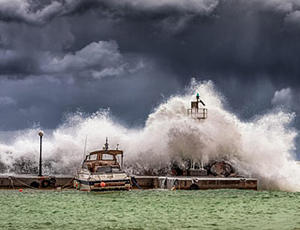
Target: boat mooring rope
x: 12, y: 178
x: 12, y: 184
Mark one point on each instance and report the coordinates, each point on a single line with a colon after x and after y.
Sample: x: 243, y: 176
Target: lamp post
x: 40, y: 165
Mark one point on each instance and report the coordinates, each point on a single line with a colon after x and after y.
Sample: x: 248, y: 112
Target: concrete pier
x: 188, y: 183
x: 143, y: 182
x: 33, y: 181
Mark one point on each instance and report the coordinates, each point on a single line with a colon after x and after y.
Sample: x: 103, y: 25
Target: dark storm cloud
x: 29, y: 11
x: 57, y: 56
x: 39, y: 12
x: 97, y: 59
x: 45, y: 100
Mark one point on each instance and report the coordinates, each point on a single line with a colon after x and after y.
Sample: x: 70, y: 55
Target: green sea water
x: 149, y: 209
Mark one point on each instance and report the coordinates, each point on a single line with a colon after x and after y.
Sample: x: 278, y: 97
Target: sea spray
x: 262, y: 147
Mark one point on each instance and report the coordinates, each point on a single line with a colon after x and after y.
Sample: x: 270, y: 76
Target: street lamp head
x: 41, y: 133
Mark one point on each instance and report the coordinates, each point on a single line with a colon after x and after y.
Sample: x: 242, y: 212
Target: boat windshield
x: 92, y: 157
x: 107, y: 157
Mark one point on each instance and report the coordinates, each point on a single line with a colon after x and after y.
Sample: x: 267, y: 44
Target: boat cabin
x: 103, y: 160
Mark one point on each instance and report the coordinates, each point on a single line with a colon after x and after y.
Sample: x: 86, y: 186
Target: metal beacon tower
x: 197, y: 110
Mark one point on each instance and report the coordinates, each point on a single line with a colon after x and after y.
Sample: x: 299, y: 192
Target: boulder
x: 221, y: 169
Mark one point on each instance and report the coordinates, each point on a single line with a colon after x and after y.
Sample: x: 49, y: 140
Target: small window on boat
x: 84, y: 166
x: 115, y: 170
x: 107, y: 157
x: 92, y: 157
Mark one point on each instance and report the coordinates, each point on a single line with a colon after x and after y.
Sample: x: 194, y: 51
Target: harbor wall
x: 32, y: 181
x: 187, y: 183
x: 142, y: 182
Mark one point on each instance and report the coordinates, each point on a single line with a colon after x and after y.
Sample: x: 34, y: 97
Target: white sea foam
x: 263, y: 147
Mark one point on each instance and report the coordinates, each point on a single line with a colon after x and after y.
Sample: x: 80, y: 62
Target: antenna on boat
x: 106, y: 144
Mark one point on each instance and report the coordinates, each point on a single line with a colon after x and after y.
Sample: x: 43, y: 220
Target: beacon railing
x: 197, y: 113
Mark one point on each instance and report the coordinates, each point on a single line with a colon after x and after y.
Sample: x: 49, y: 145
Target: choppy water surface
x: 152, y: 209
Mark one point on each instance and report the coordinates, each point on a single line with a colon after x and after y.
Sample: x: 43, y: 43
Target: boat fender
x: 102, y: 184
x: 35, y: 184
x: 176, y: 183
x: 78, y: 185
x: 45, y: 183
x: 52, y: 181
x: 134, y: 182
x: 194, y: 187
x: 195, y: 181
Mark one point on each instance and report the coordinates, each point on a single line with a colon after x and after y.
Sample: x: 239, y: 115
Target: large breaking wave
x: 263, y: 147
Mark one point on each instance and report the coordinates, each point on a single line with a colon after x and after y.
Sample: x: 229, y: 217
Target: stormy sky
x: 61, y: 56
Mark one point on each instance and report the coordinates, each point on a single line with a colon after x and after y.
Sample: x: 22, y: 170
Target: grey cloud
x: 101, y: 57
x: 5, y: 101
x: 21, y: 10
x: 293, y: 18
x: 40, y: 12
x: 288, y: 98
x: 13, y: 62
x: 175, y: 25
x: 97, y: 59
x: 37, y: 12
x: 45, y: 100
x: 188, y: 6
x: 283, y: 97
x: 286, y: 6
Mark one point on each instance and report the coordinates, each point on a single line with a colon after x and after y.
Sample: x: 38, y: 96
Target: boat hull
x: 103, y: 185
